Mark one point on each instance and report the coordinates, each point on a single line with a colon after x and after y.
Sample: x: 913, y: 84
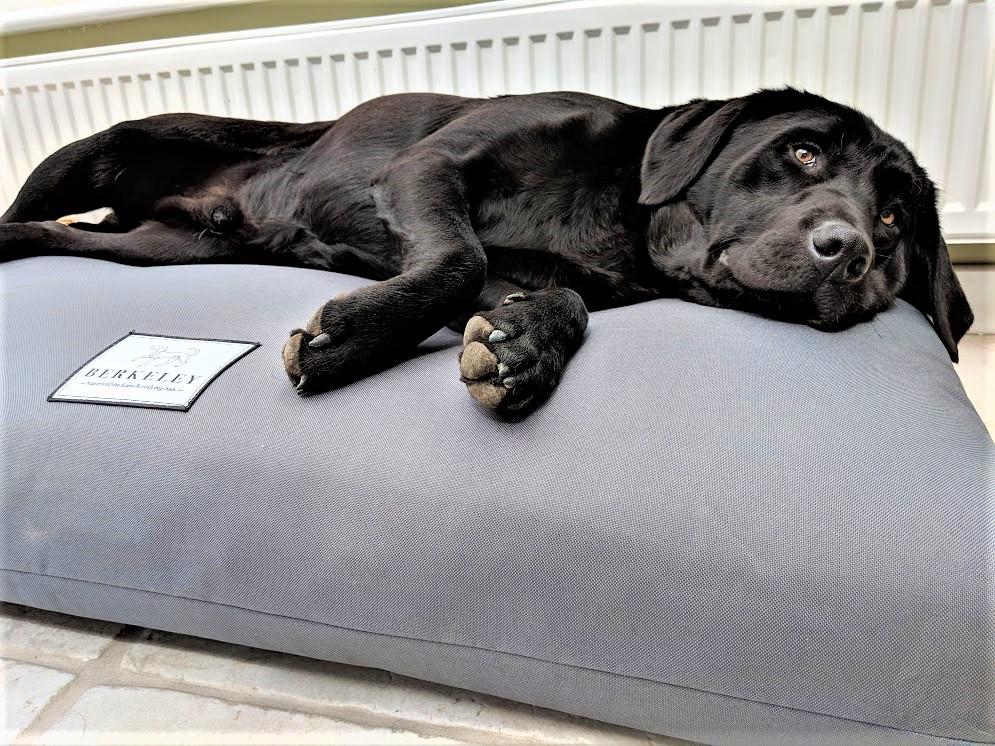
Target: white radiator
x: 923, y: 69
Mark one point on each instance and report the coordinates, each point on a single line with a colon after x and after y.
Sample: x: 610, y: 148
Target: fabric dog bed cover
x: 720, y: 527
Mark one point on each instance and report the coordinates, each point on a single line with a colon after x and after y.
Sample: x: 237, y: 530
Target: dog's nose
x: 842, y: 250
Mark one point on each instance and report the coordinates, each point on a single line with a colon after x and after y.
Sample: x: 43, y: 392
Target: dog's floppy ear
x: 931, y: 285
x: 682, y: 145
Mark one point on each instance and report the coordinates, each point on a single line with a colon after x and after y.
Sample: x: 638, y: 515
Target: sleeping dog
x: 511, y: 217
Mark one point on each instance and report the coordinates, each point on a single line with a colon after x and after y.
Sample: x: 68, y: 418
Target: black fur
x: 456, y: 203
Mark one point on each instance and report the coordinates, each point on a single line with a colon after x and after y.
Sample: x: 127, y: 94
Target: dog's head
x: 787, y: 204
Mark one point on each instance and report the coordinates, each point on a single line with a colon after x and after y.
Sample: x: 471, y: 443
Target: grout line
x: 88, y: 673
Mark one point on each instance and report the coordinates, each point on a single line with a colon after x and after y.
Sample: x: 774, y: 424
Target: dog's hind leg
x: 154, y: 242
x: 151, y: 243
x: 132, y: 165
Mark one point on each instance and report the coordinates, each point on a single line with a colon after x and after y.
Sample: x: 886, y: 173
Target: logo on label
x: 161, y: 355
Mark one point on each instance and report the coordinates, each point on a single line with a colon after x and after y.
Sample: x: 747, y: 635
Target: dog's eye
x: 887, y: 217
x: 805, y: 155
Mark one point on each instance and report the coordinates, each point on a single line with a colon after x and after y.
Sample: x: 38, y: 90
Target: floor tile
x: 26, y: 690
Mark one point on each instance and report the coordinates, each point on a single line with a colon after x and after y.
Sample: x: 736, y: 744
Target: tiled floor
x: 72, y: 681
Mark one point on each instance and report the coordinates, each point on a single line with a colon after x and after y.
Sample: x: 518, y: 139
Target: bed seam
x: 491, y: 650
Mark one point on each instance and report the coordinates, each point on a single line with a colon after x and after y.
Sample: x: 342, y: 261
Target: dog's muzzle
x: 841, y: 252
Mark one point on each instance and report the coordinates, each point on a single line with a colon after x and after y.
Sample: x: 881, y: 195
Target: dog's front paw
x: 324, y: 353
x: 513, y: 356
x: 292, y: 358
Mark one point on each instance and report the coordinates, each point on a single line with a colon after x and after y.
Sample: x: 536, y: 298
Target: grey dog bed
x: 720, y: 527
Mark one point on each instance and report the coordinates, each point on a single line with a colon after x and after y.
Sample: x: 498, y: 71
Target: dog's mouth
x: 716, y: 261
x: 721, y: 269
x: 775, y: 270
x: 816, y: 305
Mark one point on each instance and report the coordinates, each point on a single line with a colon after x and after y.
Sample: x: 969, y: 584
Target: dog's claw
x: 497, y: 336
x: 302, y: 385
x: 511, y: 298
x: 509, y: 382
x: 322, y: 340
x: 503, y: 370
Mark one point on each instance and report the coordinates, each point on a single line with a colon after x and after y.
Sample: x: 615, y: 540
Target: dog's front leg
x: 420, y: 196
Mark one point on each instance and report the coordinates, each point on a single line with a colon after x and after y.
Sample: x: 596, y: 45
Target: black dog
x: 525, y: 208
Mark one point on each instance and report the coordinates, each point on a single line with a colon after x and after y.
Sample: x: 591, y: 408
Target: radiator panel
x: 923, y: 69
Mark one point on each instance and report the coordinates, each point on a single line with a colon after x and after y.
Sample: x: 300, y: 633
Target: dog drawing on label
x: 161, y: 356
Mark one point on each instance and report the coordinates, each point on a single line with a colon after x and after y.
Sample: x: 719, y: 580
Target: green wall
x: 237, y: 17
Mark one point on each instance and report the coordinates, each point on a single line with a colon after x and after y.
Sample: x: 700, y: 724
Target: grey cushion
x: 720, y: 527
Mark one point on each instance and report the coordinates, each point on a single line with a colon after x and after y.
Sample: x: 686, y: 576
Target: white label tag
x: 147, y: 370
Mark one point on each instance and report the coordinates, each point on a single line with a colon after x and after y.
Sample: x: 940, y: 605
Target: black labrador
x: 512, y: 216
